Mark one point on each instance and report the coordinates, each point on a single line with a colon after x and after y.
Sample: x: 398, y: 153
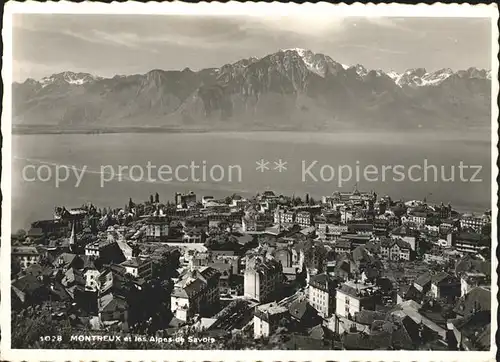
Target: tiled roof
x: 133, y: 263
x: 324, y: 282
x: 272, y: 308
x: 476, y: 327
x: 262, y: 264
x: 468, y: 263
x: 24, y: 250
x: 67, y: 258
x: 478, y: 298
x: 402, y: 244
x: 360, y: 253
x: 413, y: 294
x: 28, y: 283
x: 367, y: 317
x: 423, y: 280
x: 389, y: 243
x: 74, y: 276
x: 343, y: 244
x: 471, y: 237
x: 439, y: 277
x: 347, y: 266
x: 300, y: 309
x: 111, y: 303
x: 38, y: 270
x: 88, y: 262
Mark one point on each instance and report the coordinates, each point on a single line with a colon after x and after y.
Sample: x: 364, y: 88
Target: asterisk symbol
x: 262, y: 165
x: 280, y: 165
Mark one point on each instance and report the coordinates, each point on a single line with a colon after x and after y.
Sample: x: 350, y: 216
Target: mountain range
x: 292, y: 89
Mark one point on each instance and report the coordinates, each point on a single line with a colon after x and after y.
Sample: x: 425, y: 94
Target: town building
x: 267, y: 318
x: 157, y: 230
x: 435, y: 256
x: 185, y: 201
x: 284, y: 255
x: 206, y: 199
x: 395, y: 249
x: 263, y: 278
x: 196, y: 292
x: 304, y: 219
x: 477, y: 223
x: 139, y: 268
x: 343, y: 246
x: 352, y: 197
x: 74, y: 217
x: 423, y: 283
x: 195, y: 235
x: 330, y: 232
x: 417, y: 217
x: 91, y: 275
x: 380, y: 226
x: 471, y: 242
x: 360, y: 228
x: 107, y: 250
x: 66, y: 261
x: 321, y: 295
x: 470, y: 280
x: 444, y: 285
x: 353, y: 297
x: 284, y: 217
x: 25, y: 256
x: 253, y: 221
x: 407, y: 234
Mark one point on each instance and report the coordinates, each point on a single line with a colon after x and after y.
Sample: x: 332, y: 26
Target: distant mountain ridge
x: 290, y: 89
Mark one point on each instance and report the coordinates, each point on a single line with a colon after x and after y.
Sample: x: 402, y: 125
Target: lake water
x: 37, y: 199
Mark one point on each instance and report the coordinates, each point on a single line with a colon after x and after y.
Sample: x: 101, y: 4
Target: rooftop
x: 358, y: 289
x: 24, y: 250
x: 272, y: 308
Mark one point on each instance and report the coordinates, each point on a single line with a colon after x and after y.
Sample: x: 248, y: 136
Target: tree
x: 151, y: 199
x: 486, y: 230
x: 21, y: 233
x: 235, y: 342
x: 15, y: 267
x: 157, y: 198
x: 29, y: 326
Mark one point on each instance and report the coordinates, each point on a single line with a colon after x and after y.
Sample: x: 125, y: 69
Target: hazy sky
x: 106, y: 45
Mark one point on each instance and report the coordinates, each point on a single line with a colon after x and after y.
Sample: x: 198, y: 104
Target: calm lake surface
x: 37, y: 199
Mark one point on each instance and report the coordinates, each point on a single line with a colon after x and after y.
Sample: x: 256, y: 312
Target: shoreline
x: 41, y: 130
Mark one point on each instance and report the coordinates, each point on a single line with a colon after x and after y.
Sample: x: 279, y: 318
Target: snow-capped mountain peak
x: 419, y: 77
x: 393, y: 75
x: 360, y: 70
x: 436, y: 77
x: 300, y: 51
x: 293, y: 89
x: 317, y: 63
x: 69, y: 78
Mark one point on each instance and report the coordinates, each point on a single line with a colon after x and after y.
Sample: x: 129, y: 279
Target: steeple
x: 72, y: 238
